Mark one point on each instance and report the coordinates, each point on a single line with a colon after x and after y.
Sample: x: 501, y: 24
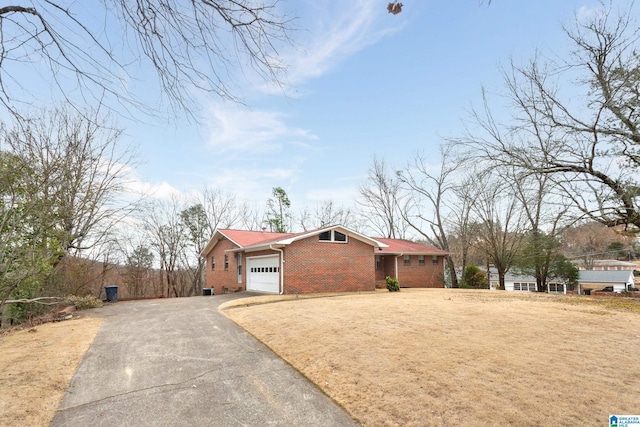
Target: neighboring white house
x: 619, y: 280
x: 515, y: 282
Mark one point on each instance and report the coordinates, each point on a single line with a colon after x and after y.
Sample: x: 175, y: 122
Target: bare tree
x: 222, y: 209
x: 81, y: 172
x: 430, y: 202
x: 326, y: 213
x: 582, y: 132
x: 463, y: 231
x: 545, y: 215
x: 94, y: 49
x: 381, y: 200
x: 63, y: 176
x: 168, y: 237
x: 501, y: 226
x: 251, y: 218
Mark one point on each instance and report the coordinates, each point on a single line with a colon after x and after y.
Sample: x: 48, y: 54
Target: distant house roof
x: 602, y: 276
x: 401, y: 246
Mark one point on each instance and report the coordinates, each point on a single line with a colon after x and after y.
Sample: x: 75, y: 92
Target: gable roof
x: 244, y: 238
x: 241, y: 238
x: 401, y: 246
x: 257, y: 240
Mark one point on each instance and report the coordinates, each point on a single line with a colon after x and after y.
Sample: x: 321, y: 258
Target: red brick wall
x: 220, y: 278
x: 416, y: 275
x: 388, y: 269
x: 312, y: 266
x: 380, y: 273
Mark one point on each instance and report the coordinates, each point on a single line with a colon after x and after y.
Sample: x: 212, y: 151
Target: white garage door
x: 263, y: 274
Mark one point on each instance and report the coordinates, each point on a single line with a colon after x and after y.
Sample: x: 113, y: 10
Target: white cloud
x: 235, y: 129
x: 335, y: 31
x: 586, y: 14
x: 162, y: 190
x: 135, y: 187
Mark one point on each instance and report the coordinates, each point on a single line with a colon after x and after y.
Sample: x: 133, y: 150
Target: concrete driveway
x: 180, y: 362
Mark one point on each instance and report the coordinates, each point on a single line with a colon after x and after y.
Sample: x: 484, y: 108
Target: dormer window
x: 332, y: 236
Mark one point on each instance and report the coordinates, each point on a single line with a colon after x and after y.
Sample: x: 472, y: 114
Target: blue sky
x: 362, y: 82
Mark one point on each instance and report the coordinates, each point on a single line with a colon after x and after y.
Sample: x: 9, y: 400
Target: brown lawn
x: 36, y: 367
x: 455, y: 357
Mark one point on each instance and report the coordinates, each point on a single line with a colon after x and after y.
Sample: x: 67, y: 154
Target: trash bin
x: 207, y: 291
x: 112, y: 293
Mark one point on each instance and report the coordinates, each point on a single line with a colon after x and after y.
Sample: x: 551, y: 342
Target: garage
x: 263, y: 274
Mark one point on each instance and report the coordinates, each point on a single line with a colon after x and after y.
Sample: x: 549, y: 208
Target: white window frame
x: 530, y: 287
x: 556, y: 285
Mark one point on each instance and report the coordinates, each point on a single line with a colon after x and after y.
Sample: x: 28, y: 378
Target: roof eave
x: 215, y: 238
x: 383, y: 252
x: 258, y: 247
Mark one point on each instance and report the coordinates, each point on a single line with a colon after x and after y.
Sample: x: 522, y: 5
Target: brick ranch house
x: 328, y: 259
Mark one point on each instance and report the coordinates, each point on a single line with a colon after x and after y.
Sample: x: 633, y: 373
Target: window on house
x: 213, y: 263
x: 421, y: 259
x: 556, y: 288
x: 525, y: 287
x: 226, y: 262
x: 378, y: 263
x: 332, y: 236
x: 325, y: 236
x: 407, y: 260
x: 434, y: 260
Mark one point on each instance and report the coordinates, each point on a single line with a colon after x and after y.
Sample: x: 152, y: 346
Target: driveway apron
x: 180, y: 362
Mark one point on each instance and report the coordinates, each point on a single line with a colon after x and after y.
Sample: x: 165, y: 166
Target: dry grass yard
x: 37, y: 366
x: 456, y: 357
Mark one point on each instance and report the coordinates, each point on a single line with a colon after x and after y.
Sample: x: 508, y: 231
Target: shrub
x: 473, y: 278
x: 83, y: 303
x: 392, y: 284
